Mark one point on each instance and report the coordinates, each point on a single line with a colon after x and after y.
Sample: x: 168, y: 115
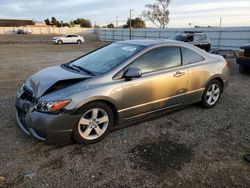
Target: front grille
x: 21, y: 116
x: 247, y: 52
x: 27, y: 94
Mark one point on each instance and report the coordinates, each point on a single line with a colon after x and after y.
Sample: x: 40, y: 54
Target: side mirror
x: 132, y: 73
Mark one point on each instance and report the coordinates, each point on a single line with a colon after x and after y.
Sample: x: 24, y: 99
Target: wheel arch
x: 108, y: 103
x: 59, y: 40
x: 218, y: 78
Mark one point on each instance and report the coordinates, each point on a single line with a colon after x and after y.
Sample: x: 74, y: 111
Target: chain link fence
x: 226, y: 38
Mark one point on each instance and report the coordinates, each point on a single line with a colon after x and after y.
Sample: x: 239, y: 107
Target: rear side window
x: 204, y: 37
x: 157, y: 59
x: 190, y: 56
x: 200, y: 37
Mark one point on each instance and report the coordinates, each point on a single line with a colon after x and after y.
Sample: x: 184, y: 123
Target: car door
x: 68, y: 39
x: 74, y: 38
x: 163, y: 83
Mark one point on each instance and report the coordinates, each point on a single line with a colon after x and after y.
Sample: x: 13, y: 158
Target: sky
x: 182, y: 12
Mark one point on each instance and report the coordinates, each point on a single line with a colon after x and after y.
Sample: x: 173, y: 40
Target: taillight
x: 241, y: 53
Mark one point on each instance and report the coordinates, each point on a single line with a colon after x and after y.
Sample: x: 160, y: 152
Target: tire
x: 60, y: 42
x: 79, y: 42
x: 212, y: 94
x: 91, y: 129
x: 242, y: 69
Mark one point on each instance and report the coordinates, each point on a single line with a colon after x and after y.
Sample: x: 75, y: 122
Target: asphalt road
x: 193, y: 147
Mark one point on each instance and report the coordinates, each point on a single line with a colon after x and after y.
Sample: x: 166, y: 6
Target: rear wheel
x: 95, y: 123
x: 242, y: 69
x: 211, y: 94
x: 79, y: 42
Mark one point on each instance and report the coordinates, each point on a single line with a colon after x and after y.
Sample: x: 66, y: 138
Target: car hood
x: 51, y: 79
x: 56, y: 37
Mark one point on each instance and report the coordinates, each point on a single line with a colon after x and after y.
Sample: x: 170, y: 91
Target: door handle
x: 178, y: 74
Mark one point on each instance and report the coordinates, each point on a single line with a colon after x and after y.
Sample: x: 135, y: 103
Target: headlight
x: 51, y: 106
x: 21, y: 88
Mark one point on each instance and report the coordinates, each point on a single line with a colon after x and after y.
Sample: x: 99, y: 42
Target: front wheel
x: 59, y: 42
x: 95, y: 123
x: 79, y: 42
x: 211, y: 94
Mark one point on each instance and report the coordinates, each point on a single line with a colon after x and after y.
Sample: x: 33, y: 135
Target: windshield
x: 106, y: 58
x: 178, y: 37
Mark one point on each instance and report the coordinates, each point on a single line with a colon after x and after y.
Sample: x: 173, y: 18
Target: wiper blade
x: 83, y: 69
x: 70, y: 67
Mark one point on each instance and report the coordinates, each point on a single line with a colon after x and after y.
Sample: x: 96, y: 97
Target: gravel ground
x: 193, y: 147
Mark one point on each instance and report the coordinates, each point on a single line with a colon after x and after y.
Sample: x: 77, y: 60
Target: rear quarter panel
x: 200, y: 74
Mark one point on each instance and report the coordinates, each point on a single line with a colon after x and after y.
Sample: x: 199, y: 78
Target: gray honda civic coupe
x: 85, y: 99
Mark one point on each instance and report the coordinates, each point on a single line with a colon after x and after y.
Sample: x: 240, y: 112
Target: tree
x: 66, y: 25
x: 47, y: 22
x: 158, y: 13
x: 135, y: 23
x: 83, y: 22
x: 72, y: 24
x: 54, y: 21
x: 111, y: 25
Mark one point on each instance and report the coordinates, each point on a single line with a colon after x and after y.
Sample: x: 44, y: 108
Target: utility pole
x: 130, y: 29
x: 220, y: 22
x: 116, y: 21
x: 95, y: 27
x: 219, y: 39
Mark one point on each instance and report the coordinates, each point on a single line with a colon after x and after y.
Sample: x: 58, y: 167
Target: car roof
x: 167, y: 42
x: 145, y: 42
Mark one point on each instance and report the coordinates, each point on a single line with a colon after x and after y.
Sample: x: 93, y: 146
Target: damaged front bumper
x: 51, y: 128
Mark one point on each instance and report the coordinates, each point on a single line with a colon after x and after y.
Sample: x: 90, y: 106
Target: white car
x: 72, y: 38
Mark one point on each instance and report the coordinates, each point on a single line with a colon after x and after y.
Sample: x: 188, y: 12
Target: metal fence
x: 228, y: 38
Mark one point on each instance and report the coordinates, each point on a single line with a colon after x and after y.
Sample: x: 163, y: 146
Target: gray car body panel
x: 151, y: 92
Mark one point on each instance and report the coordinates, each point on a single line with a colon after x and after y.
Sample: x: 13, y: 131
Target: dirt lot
x: 193, y: 147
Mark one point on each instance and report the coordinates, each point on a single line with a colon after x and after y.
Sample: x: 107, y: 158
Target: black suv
x: 243, y: 59
x: 198, y: 39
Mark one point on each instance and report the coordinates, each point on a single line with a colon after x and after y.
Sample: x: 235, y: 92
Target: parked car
x: 243, y: 59
x: 68, y: 39
x: 22, y: 31
x: 99, y: 91
x: 198, y: 39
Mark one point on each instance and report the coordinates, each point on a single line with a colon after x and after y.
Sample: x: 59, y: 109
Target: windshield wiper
x: 70, y: 67
x: 83, y: 69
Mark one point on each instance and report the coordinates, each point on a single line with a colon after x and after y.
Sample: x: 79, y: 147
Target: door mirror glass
x: 132, y: 72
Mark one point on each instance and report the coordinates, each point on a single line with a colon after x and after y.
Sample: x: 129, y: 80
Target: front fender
x: 96, y: 98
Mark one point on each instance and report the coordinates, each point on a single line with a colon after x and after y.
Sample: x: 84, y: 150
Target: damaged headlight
x: 51, y: 106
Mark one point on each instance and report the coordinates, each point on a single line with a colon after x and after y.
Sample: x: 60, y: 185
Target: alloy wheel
x: 93, y: 123
x: 213, y: 94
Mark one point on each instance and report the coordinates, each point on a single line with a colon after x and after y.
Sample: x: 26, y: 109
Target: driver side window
x: 158, y: 59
